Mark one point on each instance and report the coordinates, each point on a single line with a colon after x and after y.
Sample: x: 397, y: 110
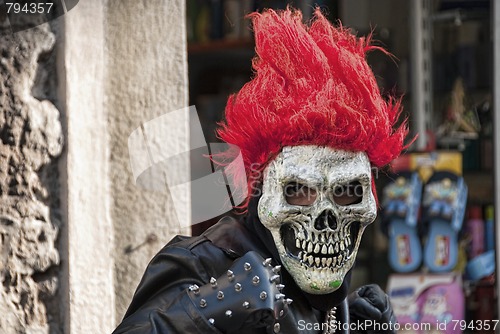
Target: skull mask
x: 316, y: 202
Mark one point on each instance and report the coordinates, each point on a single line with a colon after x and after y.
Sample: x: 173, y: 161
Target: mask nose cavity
x: 324, y: 220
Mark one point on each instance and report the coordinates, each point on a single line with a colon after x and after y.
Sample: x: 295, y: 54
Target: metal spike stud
x: 255, y: 280
x: 280, y: 296
x: 263, y: 295
x: 195, y: 288
x: 288, y: 301
x: 238, y: 287
x: 213, y: 282
x: 280, y: 286
x: 230, y: 275
x: 274, y: 278
x: 282, y: 313
x: 247, y: 266
x: 277, y: 327
x: 246, y: 305
x: 229, y: 313
x: 220, y: 295
x: 211, y: 321
x: 203, y: 303
x: 276, y: 269
x: 267, y: 262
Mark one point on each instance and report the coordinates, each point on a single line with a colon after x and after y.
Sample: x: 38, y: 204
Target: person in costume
x: 310, y: 125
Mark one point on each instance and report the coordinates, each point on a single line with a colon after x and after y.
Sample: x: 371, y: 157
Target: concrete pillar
x: 88, y: 239
x: 124, y: 64
x: 146, y: 69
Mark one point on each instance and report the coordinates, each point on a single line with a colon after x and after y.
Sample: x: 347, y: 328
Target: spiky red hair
x: 312, y: 86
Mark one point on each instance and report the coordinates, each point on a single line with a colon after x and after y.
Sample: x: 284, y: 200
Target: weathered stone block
x: 30, y: 141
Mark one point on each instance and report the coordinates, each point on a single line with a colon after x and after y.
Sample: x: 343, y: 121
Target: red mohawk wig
x: 312, y: 86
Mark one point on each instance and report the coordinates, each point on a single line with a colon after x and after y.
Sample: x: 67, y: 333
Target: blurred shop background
x: 433, y: 245
x: 93, y: 99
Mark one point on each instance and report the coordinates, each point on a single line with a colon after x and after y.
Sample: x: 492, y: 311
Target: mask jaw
x: 318, y: 242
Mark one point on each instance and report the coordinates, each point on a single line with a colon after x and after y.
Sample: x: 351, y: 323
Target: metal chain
x: 330, y: 320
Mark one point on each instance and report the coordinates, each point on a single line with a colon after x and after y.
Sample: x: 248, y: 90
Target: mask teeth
x: 323, y: 255
x: 326, y: 250
x: 324, y: 262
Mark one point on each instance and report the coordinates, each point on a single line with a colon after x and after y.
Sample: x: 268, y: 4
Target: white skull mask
x: 317, y: 240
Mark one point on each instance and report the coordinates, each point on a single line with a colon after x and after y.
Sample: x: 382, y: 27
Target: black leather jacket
x: 161, y: 303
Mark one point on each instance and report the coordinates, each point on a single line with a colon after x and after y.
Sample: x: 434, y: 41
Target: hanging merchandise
x: 401, y: 202
x: 427, y: 163
x: 475, y: 231
x: 462, y: 120
x: 481, y: 266
x: 442, y: 205
x: 444, y: 201
x: 483, y: 304
x: 489, y: 228
x: 481, y: 251
x: 428, y: 303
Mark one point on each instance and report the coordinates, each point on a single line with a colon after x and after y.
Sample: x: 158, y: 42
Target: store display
x: 444, y: 201
x: 481, y: 252
x: 459, y: 253
x: 431, y: 302
x: 483, y: 305
x: 441, y: 208
x: 401, y: 204
x: 489, y: 228
x: 475, y: 231
x: 481, y: 266
x: 443, y: 306
x: 216, y: 20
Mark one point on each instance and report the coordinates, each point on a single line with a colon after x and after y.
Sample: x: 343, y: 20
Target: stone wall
x: 30, y: 143
x: 76, y: 233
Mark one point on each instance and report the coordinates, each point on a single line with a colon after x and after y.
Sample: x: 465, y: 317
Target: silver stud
x: 276, y: 327
x: 276, y: 269
x: 255, y: 280
x: 247, y: 266
x: 213, y: 282
x: 211, y: 321
x: 238, y: 287
x: 220, y: 295
x: 274, y: 278
x: 195, y: 289
x: 203, y: 303
x: 246, y: 305
x: 230, y: 275
x: 288, y: 301
x: 263, y: 295
x: 280, y: 286
x: 280, y: 296
x: 267, y: 262
x: 282, y: 313
x: 229, y: 313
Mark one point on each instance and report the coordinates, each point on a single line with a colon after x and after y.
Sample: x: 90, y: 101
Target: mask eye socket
x: 299, y: 194
x: 348, y: 194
